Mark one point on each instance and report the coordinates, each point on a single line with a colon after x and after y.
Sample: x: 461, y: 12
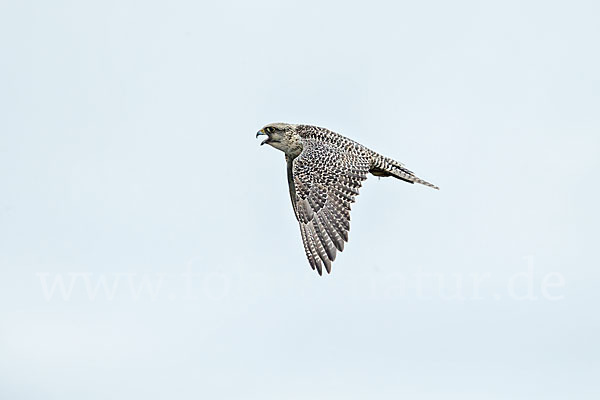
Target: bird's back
x: 379, y: 165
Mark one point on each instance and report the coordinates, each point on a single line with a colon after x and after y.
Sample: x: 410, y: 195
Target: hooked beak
x: 262, y: 132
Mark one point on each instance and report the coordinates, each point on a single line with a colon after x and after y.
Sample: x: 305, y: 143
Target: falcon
x: 325, y: 170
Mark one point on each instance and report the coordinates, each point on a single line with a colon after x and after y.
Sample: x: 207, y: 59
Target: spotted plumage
x: 325, y: 173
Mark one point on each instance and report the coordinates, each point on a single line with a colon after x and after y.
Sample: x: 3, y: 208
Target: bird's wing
x: 324, y: 181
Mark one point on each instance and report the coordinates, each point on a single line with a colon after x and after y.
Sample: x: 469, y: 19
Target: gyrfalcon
x: 325, y: 171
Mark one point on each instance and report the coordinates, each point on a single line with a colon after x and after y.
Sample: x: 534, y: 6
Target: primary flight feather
x: 325, y: 171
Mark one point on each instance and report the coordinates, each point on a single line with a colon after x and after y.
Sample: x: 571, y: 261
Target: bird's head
x: 283, y: 137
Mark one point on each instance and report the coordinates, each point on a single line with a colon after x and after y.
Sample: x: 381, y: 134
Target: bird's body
x: 325, y: 172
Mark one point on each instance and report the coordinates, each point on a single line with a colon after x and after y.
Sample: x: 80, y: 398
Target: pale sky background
x: 127, y: 153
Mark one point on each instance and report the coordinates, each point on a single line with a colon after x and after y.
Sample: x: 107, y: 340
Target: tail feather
x: 384, y: 166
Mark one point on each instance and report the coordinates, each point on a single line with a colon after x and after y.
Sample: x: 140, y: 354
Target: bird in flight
x: 325, y: 171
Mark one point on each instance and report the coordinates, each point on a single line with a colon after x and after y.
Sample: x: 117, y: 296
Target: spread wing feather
x: 324, y: 181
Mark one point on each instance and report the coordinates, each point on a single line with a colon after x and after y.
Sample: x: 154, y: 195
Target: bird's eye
x: 269, y: 129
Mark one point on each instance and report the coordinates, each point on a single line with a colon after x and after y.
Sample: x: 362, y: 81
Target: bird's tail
x: 384, y: 166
